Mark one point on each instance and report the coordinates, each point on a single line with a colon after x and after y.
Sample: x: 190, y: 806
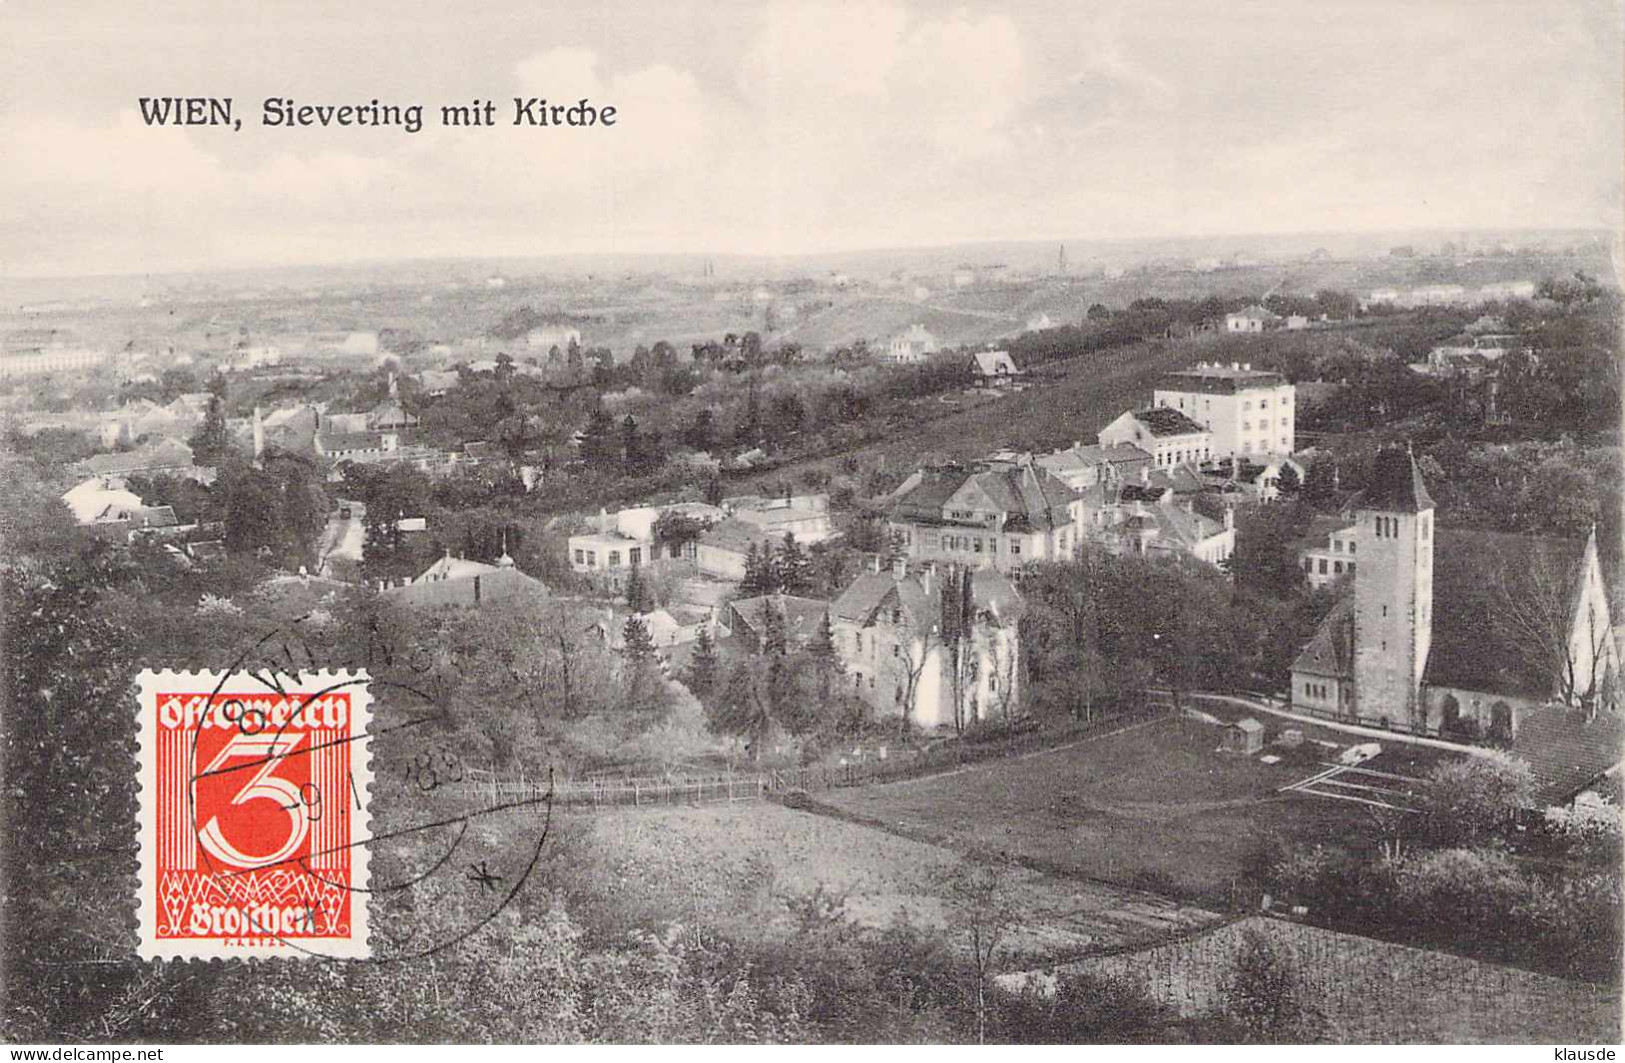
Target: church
x: 1465, y: 634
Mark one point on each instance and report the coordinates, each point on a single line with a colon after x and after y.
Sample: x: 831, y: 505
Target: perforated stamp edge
x: 358, y: 944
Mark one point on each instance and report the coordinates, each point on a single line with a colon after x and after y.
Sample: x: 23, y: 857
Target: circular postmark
x: 330, y: 815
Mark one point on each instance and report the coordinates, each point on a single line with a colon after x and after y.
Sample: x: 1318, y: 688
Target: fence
x: 729, y: 787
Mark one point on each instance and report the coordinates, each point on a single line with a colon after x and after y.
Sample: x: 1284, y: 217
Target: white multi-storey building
x: 1245, y: 410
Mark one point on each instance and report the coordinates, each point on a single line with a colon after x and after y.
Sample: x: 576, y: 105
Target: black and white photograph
x: 811, y: 522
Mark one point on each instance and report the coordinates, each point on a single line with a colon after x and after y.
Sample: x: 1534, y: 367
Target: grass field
x: 738, y: 862
x: 1155, y: 806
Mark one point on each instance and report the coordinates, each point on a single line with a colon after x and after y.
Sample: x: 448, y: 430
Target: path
x: 1348, y: 728
x: 341, y: 538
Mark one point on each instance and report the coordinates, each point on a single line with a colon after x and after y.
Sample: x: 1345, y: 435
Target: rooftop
x: 1396, y: 484
x: 1568, y: 749
x: 1164, y: 421
x: 1216, y: 378
x: 1477, y: 578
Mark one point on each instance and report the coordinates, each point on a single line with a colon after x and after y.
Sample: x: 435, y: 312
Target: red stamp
x: 253, y: 815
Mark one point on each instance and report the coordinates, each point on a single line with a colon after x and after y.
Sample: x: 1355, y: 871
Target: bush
x: 1082, y: 1009
x: 1263, y: 995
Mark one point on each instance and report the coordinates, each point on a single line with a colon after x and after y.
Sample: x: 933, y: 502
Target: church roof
x: 1478, y: 577
x: 1396, y: 484
x: 1331, y: 651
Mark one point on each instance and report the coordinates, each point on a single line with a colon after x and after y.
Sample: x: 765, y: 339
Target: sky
x: 797, y: 126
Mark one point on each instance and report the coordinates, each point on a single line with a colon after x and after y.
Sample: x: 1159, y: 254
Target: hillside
x: 1067, y: 401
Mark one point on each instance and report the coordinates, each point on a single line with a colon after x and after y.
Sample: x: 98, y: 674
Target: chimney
x: 926, y: 572
x: 259, y: 433
x: 899, y: 568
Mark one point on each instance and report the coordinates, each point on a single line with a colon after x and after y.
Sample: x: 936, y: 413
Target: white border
x: 358, y: 944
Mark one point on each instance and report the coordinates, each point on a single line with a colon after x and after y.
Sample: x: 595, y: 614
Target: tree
x: 1475, y: 797
x: 638, y: 598
x: 210, y: 443
x: 740, y: 712
x: 826, y: 659
x: 631, y: 445
x: 1320, y: 486
x: 177, y: 380
x: 701, y: 433
x: 957, y: 623
x: 760, y: 577
x: 981, y: 908
x: 598, y: 444
x: 1532, y: 602
x: 704, y: 668
x: 1263, y: 996
x: 775, y: 639
x: 637, y: 643
x: 1288, y: 483
x: 793, y: 569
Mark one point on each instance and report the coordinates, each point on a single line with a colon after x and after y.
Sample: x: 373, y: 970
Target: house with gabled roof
x: 995, y: 369
x: 460, y: 583
x: 1081, y: 466
x: 1168, y: 435
x: 939, y: 644
x: 1254, y: 318
x: 986, y: 514
x: 801, y: 617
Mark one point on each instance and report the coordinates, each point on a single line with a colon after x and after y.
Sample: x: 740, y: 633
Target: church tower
x: 1393, y: 592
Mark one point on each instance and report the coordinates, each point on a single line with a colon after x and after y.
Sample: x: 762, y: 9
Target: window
x: 1246, y: 405
x: 1385, y: 610
x: 1337, y: 568
x: 993, y: 546
x: 977, y: 542
x: 871, y: 682
x: 635, y: 556
x: 614, y: 559
x: 895, y: 651
x: 1425, y: 523
x: 1015, y: 547
x: 1263, y: 404
x: 1351, y: 568
x: 1337, y: 546
x: 581, y: 557
x: 897, y: 696
x: 1352, y: 544
x: 1323, y: 566
x: 1308, y: 564
x: 992, y: 684
x: 592, y: 559
x: 896, y: 616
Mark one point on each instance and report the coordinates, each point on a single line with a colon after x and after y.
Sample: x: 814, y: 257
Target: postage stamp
x: 253, y: 815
